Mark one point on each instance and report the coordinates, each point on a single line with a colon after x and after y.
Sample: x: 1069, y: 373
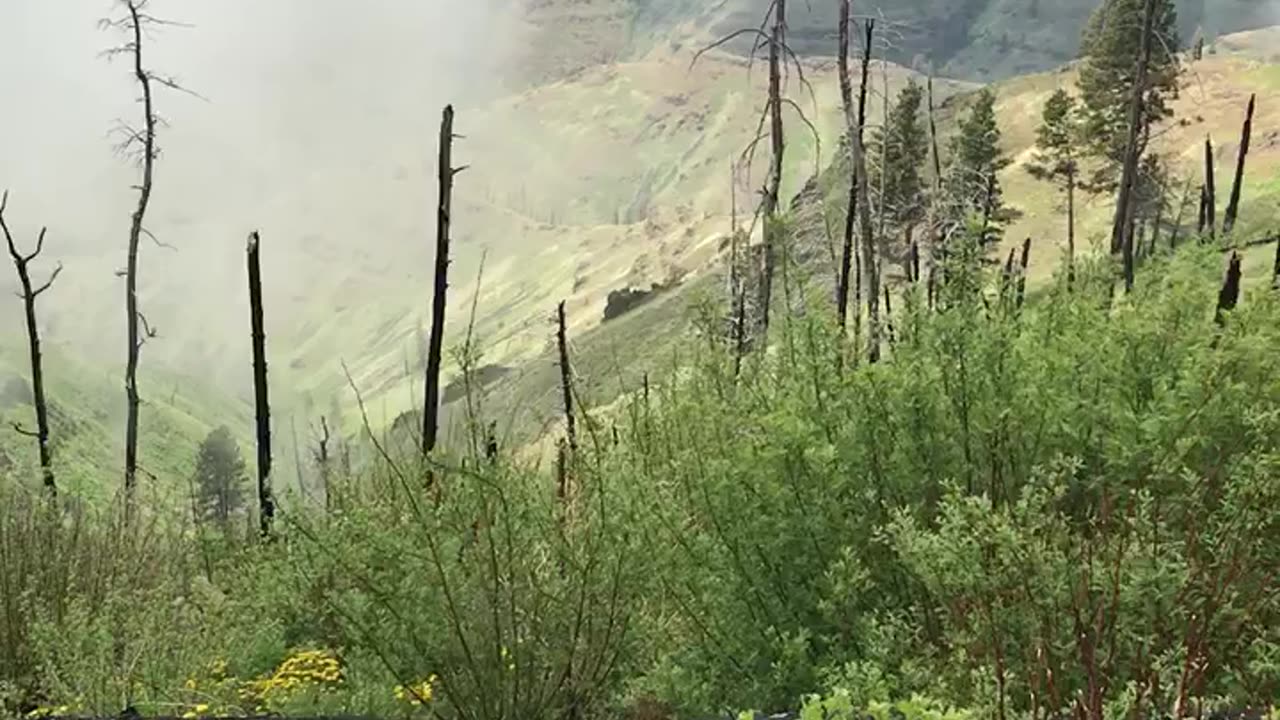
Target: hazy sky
x: 317, y: 122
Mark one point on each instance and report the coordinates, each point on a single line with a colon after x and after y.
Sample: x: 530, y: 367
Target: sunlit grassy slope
x: 613, y: 358
x: 618, y: 177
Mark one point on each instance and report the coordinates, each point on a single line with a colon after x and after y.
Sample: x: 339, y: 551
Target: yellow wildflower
x: 417, y: 693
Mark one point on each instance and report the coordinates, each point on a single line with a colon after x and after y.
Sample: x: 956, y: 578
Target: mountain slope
x: 969, y: 39
x: 653, y: 339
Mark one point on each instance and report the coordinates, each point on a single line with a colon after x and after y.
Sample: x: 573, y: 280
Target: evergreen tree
x: 1110, y: 47
x: 903, y: 149
x: 1055, y: 159
x: 973, y: 184
x: 220, y: 477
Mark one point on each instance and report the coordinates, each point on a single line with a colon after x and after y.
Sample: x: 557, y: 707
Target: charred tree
x: 141, y: 142
x: 869, y: 254
x: 1121, y: 237
x: 1006, y: 277
x: 773, y: 187
x: 1275, y: 269
x: 262, y: 403
x: 1246, y: 134
x: 566, y: 379
x: 322, y: 463
x: 444, y: 211
x: 935, y: 237
x: 1022, y: 275
x: 888, y: 317
x: 933, y: 143
x: 846, y: 98
x: 1229, y: 296
x: 1202, y: 220
x: 1210, y: 191
x: 491, y: 442
x: 914, y: 266
x: 29, y: 293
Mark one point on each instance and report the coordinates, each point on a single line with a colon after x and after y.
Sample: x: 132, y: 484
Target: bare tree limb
x: 28, y: 296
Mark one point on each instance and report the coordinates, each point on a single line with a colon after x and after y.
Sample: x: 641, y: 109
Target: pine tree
x: 903, y: 148
x: 1110, y: 47
x: 973, y: 184
x: 1055, y: 159
x: 220, y: 477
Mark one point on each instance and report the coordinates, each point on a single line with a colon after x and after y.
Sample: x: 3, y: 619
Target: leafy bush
x: 1023, y: 511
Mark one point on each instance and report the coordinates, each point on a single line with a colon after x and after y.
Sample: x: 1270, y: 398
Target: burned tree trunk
x: 322, y: 463
x: 444, y: 210
x: 888, y: 317
x: 869, y: 254
x: 1071, y: 225
x: 933, y: 145
x: 1203, y: 218
x: 1006, y: 277
x: 1229, y: 296
x: 491, y: 442
x: 262, y: 404
x: 1121, y: 239
x: 1022, y: 277
x: 29, y: 294
x: 566, y: 379
x: 1233, y: 206
x: 846, y: 98
x: 133, y: 316
x: 1275, y: 269
x: 773, y: 187
x: 915, y: 260
x: 934, y: 222
x: 1210, y: 191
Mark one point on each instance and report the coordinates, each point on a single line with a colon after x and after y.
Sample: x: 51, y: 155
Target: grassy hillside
x: 613, y: 358
x: 971, y: 39
x: 87, y: 432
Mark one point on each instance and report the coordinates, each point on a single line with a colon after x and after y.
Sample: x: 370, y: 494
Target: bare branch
x: 157, y: 241
x: 147, y: 330
x: 54, y: 276
x: 23, y: 431
x: 726, y: 39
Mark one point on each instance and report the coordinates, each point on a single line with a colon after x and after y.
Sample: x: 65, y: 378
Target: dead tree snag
x: 1233, y: 205
x: 773, y: 186
x: 29, y: 293
x: 566, y: 379
x: 869, y: 254
x: 1022, y: 276
x: 140, y: 143
x: 846, y: 98
x: 1210, y: 190
x: 262, y: 403
x: 1229, y: 296
x: 444, y: 210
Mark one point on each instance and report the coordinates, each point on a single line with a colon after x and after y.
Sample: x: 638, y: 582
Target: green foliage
x: 896, y: 156
x: 219, y: 477
x: 839, y: 706
x: 1057, y: 136
x: 1081, y: 488
x: 972, y: 184
x: 1111, y: 47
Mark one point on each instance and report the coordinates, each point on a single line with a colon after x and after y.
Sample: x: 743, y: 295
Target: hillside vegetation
x: 680, y: 477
